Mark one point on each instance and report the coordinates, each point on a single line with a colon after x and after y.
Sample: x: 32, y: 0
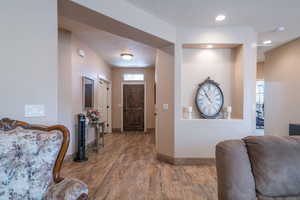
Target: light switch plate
x: 165, y: 106
x: 34, y: 110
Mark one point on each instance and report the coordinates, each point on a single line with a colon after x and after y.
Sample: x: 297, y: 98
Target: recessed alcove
x: 223, y: 63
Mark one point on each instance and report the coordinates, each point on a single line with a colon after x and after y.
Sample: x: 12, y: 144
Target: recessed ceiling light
x: 267, y: 42
x: 280, y: 28
x: 209, y: 46
x: 220, y: 18
x: 127, y: 56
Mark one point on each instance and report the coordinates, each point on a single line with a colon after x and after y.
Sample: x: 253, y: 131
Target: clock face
x: 209, y: 99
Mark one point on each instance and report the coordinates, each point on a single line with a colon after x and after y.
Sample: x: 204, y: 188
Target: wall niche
x: 223, y: 63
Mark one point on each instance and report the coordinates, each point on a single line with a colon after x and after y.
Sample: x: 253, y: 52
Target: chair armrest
x: 235, y: 178
x: 67, y: 189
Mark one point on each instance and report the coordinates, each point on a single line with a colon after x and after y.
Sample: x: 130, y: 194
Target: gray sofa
x: 259, y: 168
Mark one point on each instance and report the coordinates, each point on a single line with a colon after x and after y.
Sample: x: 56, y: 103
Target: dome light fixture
x: 210, y: 46
x: 220, y: 18
x: 267, y: 42
x: 280, y: 28
x: 127, y: 56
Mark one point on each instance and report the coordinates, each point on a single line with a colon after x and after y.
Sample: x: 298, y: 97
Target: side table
x: 97, y: 126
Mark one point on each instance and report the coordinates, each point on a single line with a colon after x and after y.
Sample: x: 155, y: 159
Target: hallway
x: 127, y: 169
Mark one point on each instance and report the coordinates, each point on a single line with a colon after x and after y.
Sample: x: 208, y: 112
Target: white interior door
x: 104, y: 105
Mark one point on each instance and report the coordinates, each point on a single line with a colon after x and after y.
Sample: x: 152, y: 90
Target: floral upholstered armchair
x: 30, y: 161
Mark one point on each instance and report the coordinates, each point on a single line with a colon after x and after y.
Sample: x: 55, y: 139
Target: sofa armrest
x: 67, y: 189
x: 235, y: 178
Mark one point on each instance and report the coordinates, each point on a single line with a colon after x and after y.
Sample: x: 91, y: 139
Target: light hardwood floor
x: 127, y: 169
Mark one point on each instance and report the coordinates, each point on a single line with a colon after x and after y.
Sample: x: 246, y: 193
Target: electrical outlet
x: 34, y: 110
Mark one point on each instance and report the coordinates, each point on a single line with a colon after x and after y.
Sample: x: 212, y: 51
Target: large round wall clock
x: 209, y: 99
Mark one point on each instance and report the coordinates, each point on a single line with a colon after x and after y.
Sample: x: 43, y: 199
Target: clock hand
x: 207, y: 96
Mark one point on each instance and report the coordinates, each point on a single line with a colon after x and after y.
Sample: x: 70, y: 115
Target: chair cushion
x: 275, y: 163
x: 27, y: 158
x: 68, y: 189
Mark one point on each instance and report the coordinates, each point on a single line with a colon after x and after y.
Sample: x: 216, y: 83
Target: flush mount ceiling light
x: 127, y: 56
x: 209, y: 46
x: 280, y: 28
x: 267, y: 42
x: 220, y: 18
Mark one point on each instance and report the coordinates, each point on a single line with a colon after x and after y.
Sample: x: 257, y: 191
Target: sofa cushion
x: 235, y: 179
x: 27, y: 158
x: 275, y: 163
x: 279, y: 198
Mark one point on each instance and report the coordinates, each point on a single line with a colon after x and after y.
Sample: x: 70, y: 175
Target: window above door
x: 133, y: 76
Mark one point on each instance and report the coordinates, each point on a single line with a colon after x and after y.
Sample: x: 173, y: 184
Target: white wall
x: 72, y: 67
x: 126, y: 13
x: 164, y: 95
x: 238, y: 84
x: 198, y: 64
x: 65, y: 80
x: 197, y: 138
x: 260, y: 71
x: 28, y: 61
x: 282, y: 85
x: 91, y: 65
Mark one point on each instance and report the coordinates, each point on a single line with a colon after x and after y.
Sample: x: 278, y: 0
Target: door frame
x: 109, y: 102
x: 145, y: 103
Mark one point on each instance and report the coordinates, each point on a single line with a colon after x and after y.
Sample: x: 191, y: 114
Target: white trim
x: 103, y: 78
x: 90, y: 75
x: 145, y: 103
x: 109, y: 111
x: 110, y: 107
x: 109, y: 103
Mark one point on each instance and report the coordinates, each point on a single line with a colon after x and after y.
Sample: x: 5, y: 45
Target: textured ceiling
x: 109, y: 46
x: 263, y: 15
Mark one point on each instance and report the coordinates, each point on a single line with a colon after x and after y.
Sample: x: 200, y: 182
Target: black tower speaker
x: 294, y: 129
x: 80, y: 156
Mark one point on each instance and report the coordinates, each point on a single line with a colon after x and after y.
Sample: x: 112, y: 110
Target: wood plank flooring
x: 127, y: 169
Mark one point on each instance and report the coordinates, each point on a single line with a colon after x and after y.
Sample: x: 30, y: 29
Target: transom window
x: 133, y: 76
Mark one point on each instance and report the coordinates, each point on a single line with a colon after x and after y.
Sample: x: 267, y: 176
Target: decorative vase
x: 228, y: 111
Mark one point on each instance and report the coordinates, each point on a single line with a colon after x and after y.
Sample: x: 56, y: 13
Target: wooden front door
x: 133, y: 107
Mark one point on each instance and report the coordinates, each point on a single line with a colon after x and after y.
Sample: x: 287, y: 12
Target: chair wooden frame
x: 8, y: 124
